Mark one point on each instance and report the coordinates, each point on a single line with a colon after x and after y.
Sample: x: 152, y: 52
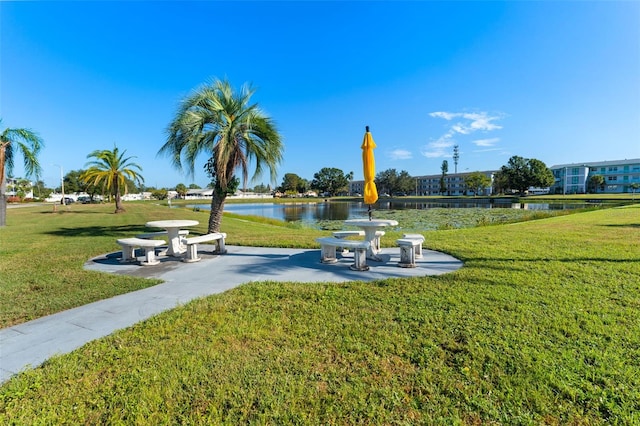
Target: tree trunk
x: 3, y: 201
x: 217, y: 206
x: 3, y: 186
x: 119, y: 206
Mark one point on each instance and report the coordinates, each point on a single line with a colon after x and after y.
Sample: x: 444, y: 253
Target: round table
x: 370, y: 227
x: 173, y: 227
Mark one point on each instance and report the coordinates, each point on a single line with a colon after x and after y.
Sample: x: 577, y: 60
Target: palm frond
x: 223, y: 124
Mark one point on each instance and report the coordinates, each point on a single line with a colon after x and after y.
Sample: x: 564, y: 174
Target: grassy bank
x: 42, y: 252
x: 541, y: 326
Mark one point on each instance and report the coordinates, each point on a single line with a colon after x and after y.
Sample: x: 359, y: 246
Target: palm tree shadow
x: 99, y: 231
x: 487, y: 261
x: 62, y: 211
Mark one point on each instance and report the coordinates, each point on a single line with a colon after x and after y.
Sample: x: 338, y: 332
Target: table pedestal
x: 175, y: 247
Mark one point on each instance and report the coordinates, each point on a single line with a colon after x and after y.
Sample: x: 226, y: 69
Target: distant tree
x: 160, y: 194
x: 500, y: 182
x: 540, y: 175
x: 596, y: 182
x: 111, y: 169
x: 232, y: 131
x: 304, y: 184
x: 634, y: 187
x: 522, y: 173
x: 444, y: 168
x: 41, y: 190
x: 456, y: 157
x: 133, y: 187
x: 392, y: 182
x: 73, y: 183
x: 181, y: 189
x: 261, y: 189
x: 29, y: 144
x: 406, y: 183
x: 387, y: 181
x: 290, y: 183
x: 477, y: 182
x: 232, y: 185
x: 331, y: 180
x: 20, y: 187
x: 194, y: 186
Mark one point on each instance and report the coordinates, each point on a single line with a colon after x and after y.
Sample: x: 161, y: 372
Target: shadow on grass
x: 541, y: 260
x: 624, y: 225
x: 62, y: 211
x: 100, y: 231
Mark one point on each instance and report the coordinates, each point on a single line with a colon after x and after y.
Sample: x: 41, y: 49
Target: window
x: 574, y: 180
x: 613, y: 169
x: 612, y: 178
x: 575, y: 171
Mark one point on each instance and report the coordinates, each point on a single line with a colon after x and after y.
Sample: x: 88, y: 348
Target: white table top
x: 371, y: 223
x: 173, y: 223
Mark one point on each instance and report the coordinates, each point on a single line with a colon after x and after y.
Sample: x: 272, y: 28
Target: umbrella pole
x: 369, y: 211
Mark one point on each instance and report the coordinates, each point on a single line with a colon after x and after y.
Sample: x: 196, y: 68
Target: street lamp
x: 61, y: 184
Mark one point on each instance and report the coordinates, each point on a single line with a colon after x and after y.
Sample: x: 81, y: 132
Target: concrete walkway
x: 29, y: 344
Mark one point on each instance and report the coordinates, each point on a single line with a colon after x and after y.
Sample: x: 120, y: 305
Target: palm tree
x: 111, y: 170
x: 29, y: 144
x: 596, y: 181
x: 234, y: 132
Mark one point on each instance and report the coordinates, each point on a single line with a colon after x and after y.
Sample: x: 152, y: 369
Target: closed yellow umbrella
x: 369, y: 166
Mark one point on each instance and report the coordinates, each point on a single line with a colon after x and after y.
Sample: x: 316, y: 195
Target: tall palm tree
x: 235, y: 134
x: 29, y: 144
x: 111, y: 170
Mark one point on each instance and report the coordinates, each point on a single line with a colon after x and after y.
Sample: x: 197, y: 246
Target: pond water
x: 343, y: 210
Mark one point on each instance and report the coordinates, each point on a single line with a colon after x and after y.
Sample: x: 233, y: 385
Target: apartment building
x: 454, y: 183
x: 430, y: 185
x: 618, y: 176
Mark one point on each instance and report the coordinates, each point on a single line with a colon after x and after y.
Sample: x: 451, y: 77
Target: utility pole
x: 456, y: 157
x: 64, y: 202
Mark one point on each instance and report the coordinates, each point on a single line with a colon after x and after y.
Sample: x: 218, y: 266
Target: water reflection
x: 342, y: 210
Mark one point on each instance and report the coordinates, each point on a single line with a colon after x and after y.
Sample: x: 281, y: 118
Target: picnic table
x: 370, y: 227
x: 175, y: 247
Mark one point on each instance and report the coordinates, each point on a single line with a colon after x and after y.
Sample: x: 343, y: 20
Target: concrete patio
x: 29, y: 344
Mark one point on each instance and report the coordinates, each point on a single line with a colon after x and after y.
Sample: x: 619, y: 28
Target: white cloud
x: 486, y: 142
x: 446, y: 115
x: 487, y: 150
x: 439, y: 147
x: 442, y: 143
x: 434, y: 154
x: 458, y: 128
x: 400, y: 154
x: 469, y: 122
x: 462, y: 123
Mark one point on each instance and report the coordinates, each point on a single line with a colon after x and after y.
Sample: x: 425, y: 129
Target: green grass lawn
x: 541, y: 326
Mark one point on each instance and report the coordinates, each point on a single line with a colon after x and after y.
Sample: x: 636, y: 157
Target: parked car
x: 67, y: 200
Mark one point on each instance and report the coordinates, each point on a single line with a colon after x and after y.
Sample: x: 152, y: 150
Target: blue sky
x: 556, y: 81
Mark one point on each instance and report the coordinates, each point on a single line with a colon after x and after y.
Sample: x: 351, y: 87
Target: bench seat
x: 418, y: 237
x: 346, y: 234
x: 408, y: 252
x: 129, y: 246
x: 192, y: 245
x: 328, y: 247
x: 149, y: 235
